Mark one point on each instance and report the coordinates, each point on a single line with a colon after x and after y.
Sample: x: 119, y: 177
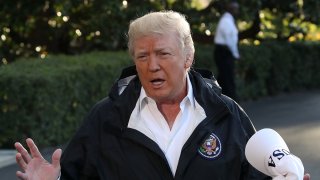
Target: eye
x: 164, y: 54
x: 141, y: 57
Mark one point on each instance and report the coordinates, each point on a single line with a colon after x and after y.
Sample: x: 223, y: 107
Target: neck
x: 169, y: 112
x: 170, y: 109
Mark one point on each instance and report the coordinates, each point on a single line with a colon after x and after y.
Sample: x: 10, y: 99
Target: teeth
x: 156, y: 82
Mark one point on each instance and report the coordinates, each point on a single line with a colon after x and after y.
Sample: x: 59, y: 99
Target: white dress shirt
x: 147, y: 119
x: 227, y: 34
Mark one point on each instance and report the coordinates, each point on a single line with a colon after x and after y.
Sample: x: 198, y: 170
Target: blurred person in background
x: 226, y: 49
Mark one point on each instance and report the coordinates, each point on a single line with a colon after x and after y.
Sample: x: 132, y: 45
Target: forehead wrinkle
x: 157, y: 45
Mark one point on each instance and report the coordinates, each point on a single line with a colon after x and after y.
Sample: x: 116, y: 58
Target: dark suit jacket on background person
x: 226, y: 52
x: 105, y: 148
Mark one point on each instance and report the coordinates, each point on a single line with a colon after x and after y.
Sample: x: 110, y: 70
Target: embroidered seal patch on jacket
x: 211, y: 147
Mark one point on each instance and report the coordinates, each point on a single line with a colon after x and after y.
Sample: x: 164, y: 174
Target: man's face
x: 162, y: 67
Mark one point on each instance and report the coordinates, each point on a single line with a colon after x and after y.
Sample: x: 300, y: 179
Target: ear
x: 189, y: 60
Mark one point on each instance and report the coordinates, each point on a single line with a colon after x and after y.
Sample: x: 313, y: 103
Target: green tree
x: 73, y: 26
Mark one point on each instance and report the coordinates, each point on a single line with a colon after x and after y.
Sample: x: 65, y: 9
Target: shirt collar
x: 144, y: 99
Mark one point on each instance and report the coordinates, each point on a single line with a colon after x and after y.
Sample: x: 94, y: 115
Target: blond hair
x: 161, y: 22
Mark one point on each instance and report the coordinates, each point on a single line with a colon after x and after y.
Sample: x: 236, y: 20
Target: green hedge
x: 270, y: 68
x: 277, y: 67
x: 48, y: 98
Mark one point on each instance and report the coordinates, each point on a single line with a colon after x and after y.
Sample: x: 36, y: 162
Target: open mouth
x: 157, y: 82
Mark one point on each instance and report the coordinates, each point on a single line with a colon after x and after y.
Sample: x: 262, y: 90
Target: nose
x: 153, y: 64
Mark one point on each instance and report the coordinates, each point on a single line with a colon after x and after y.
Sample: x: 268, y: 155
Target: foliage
x: 72, y: 26
x: 290, y: 20
x: 270, y: 68
x: 64, y: 26
x: 48, y: 98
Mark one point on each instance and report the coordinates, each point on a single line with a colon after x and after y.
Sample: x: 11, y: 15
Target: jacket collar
x: 206, y: 90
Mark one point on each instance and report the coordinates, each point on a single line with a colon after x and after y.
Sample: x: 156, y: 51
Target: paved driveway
x: 296, y: 117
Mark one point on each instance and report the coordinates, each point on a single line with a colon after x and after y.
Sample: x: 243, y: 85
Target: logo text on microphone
x: 277, y: 155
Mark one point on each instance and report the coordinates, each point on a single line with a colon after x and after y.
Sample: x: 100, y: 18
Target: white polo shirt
x: 227, y: 34
x: 147, y: 119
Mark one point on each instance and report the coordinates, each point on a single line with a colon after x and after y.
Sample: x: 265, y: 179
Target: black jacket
x: 104, y: 148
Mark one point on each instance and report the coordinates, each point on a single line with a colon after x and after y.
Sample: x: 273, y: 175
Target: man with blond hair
x: 162, y: 119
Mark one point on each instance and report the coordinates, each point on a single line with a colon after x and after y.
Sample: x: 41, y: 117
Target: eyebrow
x: 143, y: 51
x: 163, y: 49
